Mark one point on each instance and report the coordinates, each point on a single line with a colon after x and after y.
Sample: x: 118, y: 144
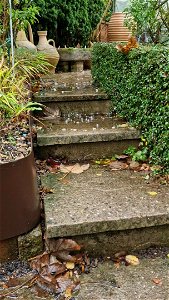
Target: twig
x: 67, y: 173
x: 18, y: 287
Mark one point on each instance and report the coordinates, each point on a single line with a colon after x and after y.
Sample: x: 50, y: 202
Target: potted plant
x: 19, y: 201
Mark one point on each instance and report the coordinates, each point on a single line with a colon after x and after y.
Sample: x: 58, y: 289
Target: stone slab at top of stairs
x: 100, y: 200
x: 69, y: 87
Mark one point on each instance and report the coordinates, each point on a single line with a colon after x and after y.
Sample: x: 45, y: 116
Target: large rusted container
x: 19, y: 201
x: 117, y: 32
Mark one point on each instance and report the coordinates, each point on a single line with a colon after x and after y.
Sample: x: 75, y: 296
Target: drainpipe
x: 11, y: 32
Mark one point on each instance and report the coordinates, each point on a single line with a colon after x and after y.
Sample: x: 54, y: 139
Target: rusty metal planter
x: 19, y: 200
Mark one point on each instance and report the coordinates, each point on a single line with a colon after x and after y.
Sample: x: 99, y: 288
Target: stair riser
x: 85, y: 151
x: 111, y: 242
x: 84, y: 107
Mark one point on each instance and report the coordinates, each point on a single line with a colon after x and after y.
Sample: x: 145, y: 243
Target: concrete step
x: 67, y: 99
x: 107, y: 211
x: 85, y: 137
x: 72, y: 92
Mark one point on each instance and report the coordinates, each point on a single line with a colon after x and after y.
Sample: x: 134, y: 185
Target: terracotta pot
x: 50, y: 51
x: 22, y: 41
x: 19, y: 199
x: 117, y: 32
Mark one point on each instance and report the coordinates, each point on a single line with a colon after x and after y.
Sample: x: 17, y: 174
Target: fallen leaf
x: 104, y: 161
x: 68, y: 292
x: 56, y: 268
x: 134, y: 165
x: 152, y: 193
x: 118, y: 165
x: 70, y: 265
x: 46, y: 190
x: 75, y: 169
x: 117, y: 265
x: 157, y: 281
x: 120, y: 254
x: 12, y: 282
x: 132, y: 260
x: 64, y: 282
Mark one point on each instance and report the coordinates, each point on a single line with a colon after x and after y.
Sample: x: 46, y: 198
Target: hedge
x: 138, y: 85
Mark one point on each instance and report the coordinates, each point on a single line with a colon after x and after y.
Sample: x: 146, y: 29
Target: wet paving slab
x: 101, y: 200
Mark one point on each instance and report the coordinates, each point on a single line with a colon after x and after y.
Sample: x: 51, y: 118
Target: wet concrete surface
x: 101, y: 200
x: 124, y: 283
x: 146, y: 281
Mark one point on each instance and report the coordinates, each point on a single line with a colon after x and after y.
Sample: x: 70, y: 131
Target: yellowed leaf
x: 70, y: 265
x: 68, y: 292
x: 152, y: 193
x: 132, y: 260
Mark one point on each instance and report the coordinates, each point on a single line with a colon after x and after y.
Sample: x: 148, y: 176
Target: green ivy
x: 138, y: 85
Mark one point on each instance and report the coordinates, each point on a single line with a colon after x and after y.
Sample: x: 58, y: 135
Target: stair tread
x: 100, y: 129
x: 101, y: 200
x: 88, y: 93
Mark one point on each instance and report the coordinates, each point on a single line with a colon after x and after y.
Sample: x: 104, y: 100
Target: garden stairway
x: 85, y: 128
x: 106, y: 211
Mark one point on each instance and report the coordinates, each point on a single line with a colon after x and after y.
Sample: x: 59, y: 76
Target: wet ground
x: 105, y: 280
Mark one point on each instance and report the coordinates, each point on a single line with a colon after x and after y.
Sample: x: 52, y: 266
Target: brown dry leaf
x: 117, y: 265
x: 46, y: 190
x: 38, y: 262
x: 61, y: 248
x: 67, y: 244
x: 118, y: 165
x: 75, y: 169
x: 145, y: 167
x: 65, y: 256
x: 134, y: 165
x: 152, y: 193
x: 56, y: 268
x: 120, y: 254
x: 132, y: 260
x: 12, y: 282
x: 64, y: 282
x: 157, y: 281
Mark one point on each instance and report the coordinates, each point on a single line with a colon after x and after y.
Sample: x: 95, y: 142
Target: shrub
x: 14, y: 83
x: 138, y: 85
x: 69, y: 22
